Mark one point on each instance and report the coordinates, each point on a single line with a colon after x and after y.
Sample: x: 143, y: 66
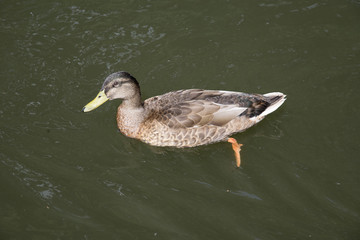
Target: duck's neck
x: 130, y: 115
x: 132, y: 103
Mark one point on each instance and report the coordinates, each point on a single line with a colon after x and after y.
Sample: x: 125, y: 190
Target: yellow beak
x: 98, y: 100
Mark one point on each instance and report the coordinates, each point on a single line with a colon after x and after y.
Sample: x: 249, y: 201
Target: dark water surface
x: 69, y: 175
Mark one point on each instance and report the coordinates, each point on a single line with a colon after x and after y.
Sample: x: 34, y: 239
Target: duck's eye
x: 115, y: 84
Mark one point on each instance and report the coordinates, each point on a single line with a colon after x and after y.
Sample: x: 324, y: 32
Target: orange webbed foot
x: 237, y: 148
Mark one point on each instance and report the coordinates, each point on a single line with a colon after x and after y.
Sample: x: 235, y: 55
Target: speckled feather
x: 188, y: 118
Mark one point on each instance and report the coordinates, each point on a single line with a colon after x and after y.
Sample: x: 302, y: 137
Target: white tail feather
x: 275, y: 105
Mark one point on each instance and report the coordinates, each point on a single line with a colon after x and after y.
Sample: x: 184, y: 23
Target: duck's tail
x: 276, y: 99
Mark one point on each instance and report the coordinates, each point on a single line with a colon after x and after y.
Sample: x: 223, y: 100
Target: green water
x: 70, y: 175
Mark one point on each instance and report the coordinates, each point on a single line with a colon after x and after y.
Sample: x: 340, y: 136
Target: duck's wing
x: 196, y: 107
x: 196, y: 113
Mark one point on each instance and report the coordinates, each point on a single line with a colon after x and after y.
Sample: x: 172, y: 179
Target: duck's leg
x: 236, y: 147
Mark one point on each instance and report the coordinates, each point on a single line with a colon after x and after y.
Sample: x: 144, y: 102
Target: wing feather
x: 196, y: 107
x: 197, y: 113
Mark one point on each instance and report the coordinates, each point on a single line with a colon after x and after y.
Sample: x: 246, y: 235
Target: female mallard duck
x: 184, y: 118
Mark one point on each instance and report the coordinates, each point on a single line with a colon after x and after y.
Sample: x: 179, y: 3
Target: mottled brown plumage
x: 184, y: 118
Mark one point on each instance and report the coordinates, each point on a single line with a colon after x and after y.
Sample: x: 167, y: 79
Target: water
x: 70, y: 175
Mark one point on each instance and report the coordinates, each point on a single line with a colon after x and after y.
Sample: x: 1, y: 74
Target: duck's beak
x: 98, y: 100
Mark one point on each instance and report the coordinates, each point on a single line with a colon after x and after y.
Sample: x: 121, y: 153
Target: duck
x: 183, y: 118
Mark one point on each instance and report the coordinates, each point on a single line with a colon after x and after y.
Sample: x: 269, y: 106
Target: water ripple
x: 38, y: 182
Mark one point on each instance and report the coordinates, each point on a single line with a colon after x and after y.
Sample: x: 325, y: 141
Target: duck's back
x: 192, y: 117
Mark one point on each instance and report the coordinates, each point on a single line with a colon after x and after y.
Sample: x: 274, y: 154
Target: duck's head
x: 119, y: 85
